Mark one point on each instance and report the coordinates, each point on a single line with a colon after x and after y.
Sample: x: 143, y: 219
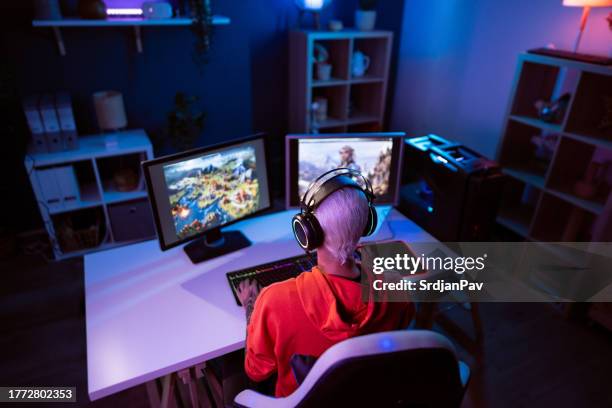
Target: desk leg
x: 205, y: 372
x: 153, y: 393
x: 189, y: 378
x: 168, y: 388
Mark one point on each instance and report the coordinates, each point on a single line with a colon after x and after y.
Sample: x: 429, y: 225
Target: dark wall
x: 242, y: 89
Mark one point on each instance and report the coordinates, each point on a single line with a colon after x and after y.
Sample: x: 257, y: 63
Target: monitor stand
x: 215, y: 243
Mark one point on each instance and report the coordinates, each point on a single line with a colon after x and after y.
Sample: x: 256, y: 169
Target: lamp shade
x: 587, y: 3
x: 312, y: 5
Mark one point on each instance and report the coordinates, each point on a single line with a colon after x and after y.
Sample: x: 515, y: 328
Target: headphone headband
x: 306, y: 228
x: 345, y: 178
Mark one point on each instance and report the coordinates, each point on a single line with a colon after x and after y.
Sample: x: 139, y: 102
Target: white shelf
x: 534, y: 122
x: 124, y: 22
x: 134, y: 23
x: 111, y: 197
x: 329, y: 82
x: 94, y: 190
x: 94, y: 146
x: 367, y: 79
x: 526, y: 176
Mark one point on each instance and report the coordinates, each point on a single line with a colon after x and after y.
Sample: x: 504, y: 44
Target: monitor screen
x: 376, y: 155
x: 195, y: 191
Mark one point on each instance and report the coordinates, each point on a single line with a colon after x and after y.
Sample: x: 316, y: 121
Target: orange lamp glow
x: 587, y: 4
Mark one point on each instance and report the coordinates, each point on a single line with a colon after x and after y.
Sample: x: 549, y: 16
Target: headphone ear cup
x: 372, y: 221
x: 307, y: 231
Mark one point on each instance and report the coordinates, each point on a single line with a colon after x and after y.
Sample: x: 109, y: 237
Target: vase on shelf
x: 365, y: 19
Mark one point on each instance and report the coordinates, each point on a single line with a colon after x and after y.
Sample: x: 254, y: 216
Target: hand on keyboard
x: 247, y: 289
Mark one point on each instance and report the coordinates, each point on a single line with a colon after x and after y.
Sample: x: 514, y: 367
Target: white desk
x: 150, y: 313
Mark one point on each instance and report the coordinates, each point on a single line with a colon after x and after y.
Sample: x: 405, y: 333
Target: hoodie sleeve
x: 260, y: 361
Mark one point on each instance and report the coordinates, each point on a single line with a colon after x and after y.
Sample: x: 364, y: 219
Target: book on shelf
x: 68, y: 130
x: 46, y: 106
x: 35, y: 124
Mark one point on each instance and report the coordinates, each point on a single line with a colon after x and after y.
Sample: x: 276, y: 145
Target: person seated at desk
x: 301, y: 318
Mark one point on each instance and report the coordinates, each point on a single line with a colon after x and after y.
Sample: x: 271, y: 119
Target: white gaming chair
x: 408, y: 368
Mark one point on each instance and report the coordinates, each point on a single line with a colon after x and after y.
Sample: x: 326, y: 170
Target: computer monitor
x: 195, y: 193
x: 377, y: 155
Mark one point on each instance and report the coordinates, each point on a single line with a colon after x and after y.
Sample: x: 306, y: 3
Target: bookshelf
x: 88, y: 208
x: 543, y: 201
x: 354, y: 103
x: 579, y: 142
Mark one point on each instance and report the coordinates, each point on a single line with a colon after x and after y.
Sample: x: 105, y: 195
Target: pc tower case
x: 450, y: 190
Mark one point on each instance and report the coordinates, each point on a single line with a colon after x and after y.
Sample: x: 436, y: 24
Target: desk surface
x: 150, y: 313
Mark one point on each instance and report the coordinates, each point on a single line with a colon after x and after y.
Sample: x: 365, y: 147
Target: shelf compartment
x: 591, y: 104
x: 559, y: 221
x: 517, y: 206
x: 338, y: 51
x: 364, y: 127
x: 80, y: 230
x: 333, y: 129
x: 573, y: 163
x: 365, y: 102
x: 67, y: 187
x: 599, y: 142
x: 377, y: 50
x: 131, y: 220
x: 121, y: 177
x: 518, y: 152
x: 336, y: 97
x: 536, y: 82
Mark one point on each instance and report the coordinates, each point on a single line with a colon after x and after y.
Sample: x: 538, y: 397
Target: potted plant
x: 185, y: 124
x: 365, y: 15
x: 321, y: 58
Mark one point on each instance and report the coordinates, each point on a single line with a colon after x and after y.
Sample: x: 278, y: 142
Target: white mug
x: 324, y: 71
x: 360, y: 64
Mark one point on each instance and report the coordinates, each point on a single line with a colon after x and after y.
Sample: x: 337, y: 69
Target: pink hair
x: 343, y: 216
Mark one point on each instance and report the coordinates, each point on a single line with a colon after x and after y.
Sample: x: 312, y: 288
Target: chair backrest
x: 408, y: 368
x: 415, y: 368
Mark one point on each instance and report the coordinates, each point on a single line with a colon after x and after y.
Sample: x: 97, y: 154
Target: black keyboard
x: 272, y: 272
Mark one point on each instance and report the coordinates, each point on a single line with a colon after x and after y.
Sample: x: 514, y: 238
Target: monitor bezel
x: 295, y: 136
x: 201, y: 150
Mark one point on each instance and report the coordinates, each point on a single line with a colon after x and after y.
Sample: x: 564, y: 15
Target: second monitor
x: 376, y: 155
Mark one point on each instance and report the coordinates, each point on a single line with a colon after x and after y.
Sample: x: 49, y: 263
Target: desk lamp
x: 314, y: 7
x: 586, y: 4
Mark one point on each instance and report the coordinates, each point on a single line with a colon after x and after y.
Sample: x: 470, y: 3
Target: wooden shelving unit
x: 354, y: 103
x: 134, y: 23
x: 541, y: 202
x: 98, y: 218
x: 579, y: 142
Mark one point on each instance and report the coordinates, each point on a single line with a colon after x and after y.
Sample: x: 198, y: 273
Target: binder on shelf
x: 68, y: 185
x: 46, y: 106
x: 50, y: 194
x: 35, y: 123
x: 63, y: 106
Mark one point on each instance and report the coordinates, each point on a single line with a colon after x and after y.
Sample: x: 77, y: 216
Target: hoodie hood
x: 334, y: 305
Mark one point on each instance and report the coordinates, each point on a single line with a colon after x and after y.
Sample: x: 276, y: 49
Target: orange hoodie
x: 306, y: 316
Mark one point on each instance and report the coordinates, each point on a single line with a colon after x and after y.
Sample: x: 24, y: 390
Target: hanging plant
x: 201, y: 28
